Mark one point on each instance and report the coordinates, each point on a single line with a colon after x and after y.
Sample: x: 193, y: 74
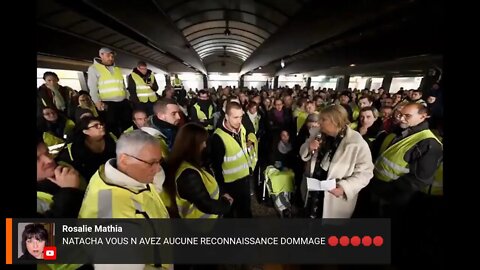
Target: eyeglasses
x: 97, y: 126
x: 146, y: 162
x: 399, y: 115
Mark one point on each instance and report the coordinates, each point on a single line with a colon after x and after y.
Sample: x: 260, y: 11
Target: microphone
x: 318, y: 138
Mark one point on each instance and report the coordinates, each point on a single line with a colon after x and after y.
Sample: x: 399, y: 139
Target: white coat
x: 351, y: 166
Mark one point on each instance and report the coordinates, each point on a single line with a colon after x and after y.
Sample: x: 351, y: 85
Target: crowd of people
x: 207, y: 153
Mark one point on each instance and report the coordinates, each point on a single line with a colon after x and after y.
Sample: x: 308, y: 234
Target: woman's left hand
x: 337, y: 192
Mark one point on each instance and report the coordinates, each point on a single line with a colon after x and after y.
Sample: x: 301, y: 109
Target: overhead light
x: 227, y: 32
x: 352, y: 65
x: 282, y: 63
x: 259, y: 67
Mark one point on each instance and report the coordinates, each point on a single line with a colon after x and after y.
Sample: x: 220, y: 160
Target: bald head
x: 412, y: 114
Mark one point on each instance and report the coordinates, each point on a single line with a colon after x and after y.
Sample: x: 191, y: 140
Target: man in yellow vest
x: 142, y: 87
x: 58, y: 192
x: 176, y: 82
x: 202, y: 111
x: 107, y: 89
x: 139, y: 118
x: 231, y: 161
x: 128, y: 186
x: 406, y: 161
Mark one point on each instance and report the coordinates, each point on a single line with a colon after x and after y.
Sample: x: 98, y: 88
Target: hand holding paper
x: 317, y: 185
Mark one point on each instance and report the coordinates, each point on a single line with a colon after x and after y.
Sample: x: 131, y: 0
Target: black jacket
x: 66, y: 201
x: 275, y: 127
x: 84, y: 160
x: 191, y: 188
x: 28, y: 257
x: 132, y: 87
x: 45, y: 94
x: 167, y: 129
x: 423, y: 160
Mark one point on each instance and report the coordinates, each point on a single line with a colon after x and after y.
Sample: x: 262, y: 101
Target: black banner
x: 222, y: 241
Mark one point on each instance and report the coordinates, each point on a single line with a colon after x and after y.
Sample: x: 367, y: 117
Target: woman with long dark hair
x: 195, y: 190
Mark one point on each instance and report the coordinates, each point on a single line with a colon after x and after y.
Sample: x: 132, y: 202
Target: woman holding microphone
x: 335, y: 151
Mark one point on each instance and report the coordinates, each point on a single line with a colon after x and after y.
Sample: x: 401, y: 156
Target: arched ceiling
x: 306, y: 35
x: 228, y: 28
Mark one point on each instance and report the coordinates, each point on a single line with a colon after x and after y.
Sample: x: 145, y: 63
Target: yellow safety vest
x: 301, y: 118
x: 144, y: 92
x: 279, y: 181
x: 201, y: 115
x: 236, y: 162
x: 256, y: 123
x: 253, y: 150
x: 167, y: 200
x: 130, y: 129
x: 187, y: 209
x: 177, y: 82
x: 103, y: 200
x: 353, y: 125
x: 44, y: 201
x: 51, y: 140
x: 110, y: 86
x: 390, y: 165
x: 356, y: 111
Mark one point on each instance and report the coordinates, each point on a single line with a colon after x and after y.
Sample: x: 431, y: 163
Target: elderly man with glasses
x: 128, y: 186
x: 119, y: 186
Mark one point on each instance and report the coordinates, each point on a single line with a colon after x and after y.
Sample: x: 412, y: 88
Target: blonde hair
x: 337, y: 114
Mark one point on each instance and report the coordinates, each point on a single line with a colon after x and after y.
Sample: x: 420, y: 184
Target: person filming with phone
x: 335, y: 151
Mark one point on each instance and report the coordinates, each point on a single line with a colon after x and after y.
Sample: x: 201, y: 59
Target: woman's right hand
x: 314, y: 145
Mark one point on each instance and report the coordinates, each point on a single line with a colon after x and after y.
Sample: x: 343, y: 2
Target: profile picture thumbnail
x: 35, y: 241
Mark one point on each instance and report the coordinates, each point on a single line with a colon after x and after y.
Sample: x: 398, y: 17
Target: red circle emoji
x: 367, y: 241
x: 378, y: 240
x: 333, y: 241
x: 355, y: 241
x: 344, y: 241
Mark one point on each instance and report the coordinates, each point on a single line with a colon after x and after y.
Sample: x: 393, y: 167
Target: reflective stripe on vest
x: 236, y: 162
x: 201, y: 115
x: 44, y: 201
x: 103, y: 200
x: 187, y: 209
x: 390, y: 165
x: 301, y: 118
x: 51, y: 140
x: 144, y: 92
x: 110, y: 86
